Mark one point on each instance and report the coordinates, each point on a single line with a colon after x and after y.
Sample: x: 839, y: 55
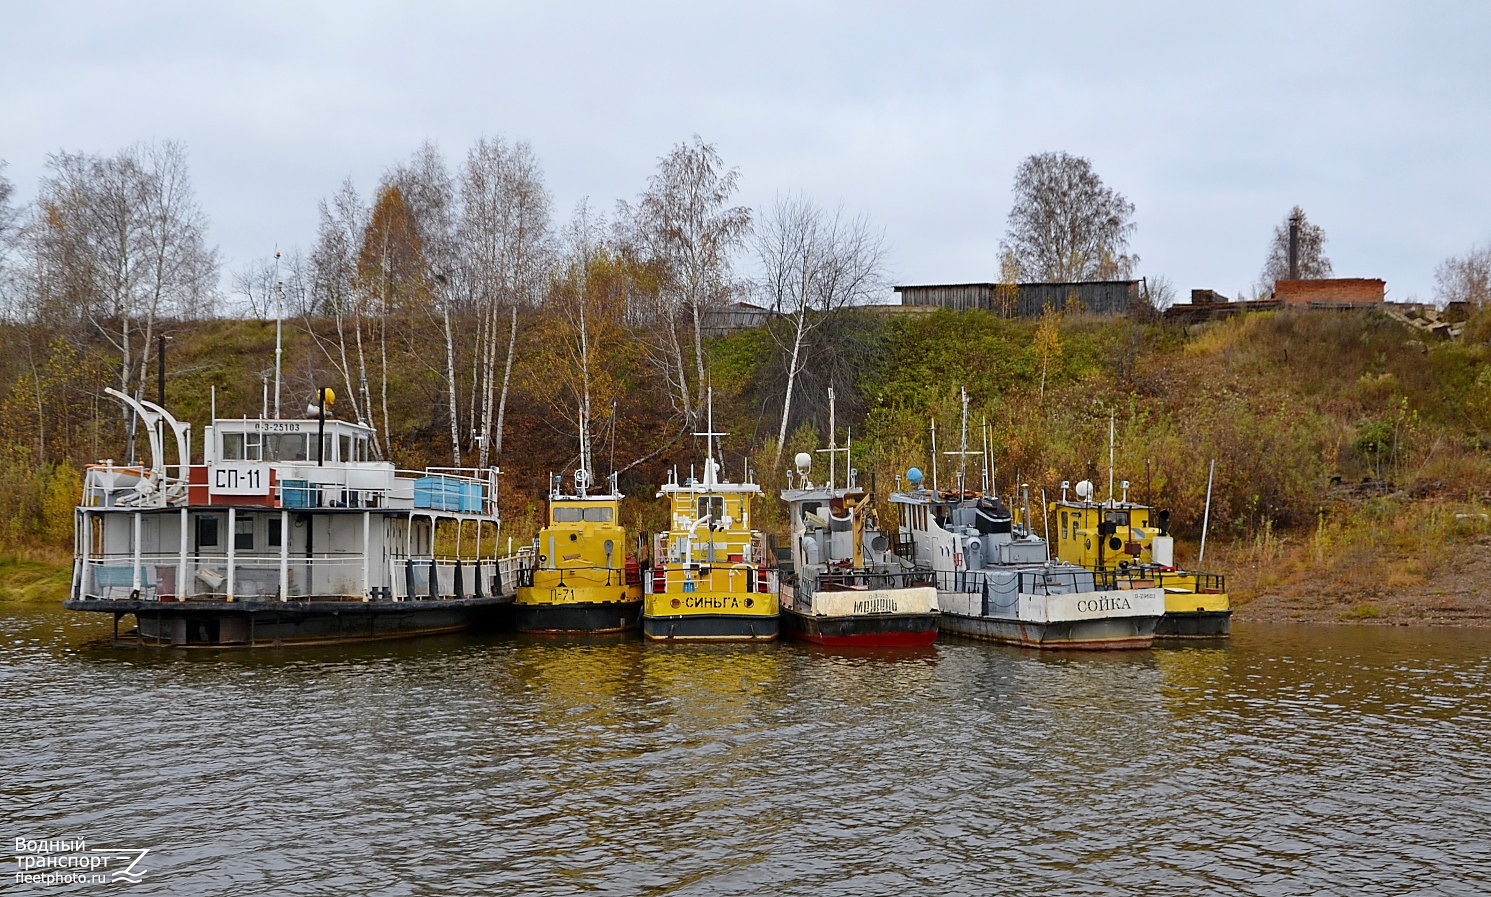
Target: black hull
x: 238, y: 624
x: 604, y: 616
x: 1195, y: 624
x: 880, y: 630
x: 711, y: 628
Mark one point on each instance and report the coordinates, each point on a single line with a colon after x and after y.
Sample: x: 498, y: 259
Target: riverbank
x: 1384, y: 562
x: 1454, y: 593
x: 34, y: 577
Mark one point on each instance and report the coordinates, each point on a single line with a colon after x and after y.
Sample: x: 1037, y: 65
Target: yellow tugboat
x: 709, y: 580
x: 1131, y: 542
x: 584, y: 581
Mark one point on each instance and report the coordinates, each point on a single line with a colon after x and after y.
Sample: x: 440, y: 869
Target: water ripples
x: 1294, y: 760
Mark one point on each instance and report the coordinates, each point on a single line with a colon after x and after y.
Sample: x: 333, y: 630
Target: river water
x: 1295, y: 760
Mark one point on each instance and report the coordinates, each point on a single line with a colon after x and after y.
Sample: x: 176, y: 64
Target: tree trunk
x: 450, y: 387
x: 507, y: 373
x: 787, y: 399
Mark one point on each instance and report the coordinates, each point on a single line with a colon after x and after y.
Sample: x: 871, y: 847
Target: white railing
x: 740, y: 577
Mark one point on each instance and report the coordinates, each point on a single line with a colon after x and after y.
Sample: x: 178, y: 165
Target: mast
x: 833, y: 446
x: 832, y: 456
x: 710, y: 437
x: 963, y: 445
x: 986, y: 482
x: 279, y: 318
x: 1110, y: 460
x: 934, y: 453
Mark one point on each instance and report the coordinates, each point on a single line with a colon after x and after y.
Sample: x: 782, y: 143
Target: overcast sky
x: 1213, y: 119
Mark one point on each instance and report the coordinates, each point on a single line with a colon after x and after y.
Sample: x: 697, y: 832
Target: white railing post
x: 232, y: 550
x: 284, y: 555
x: 181, y: 576
x: 135, y: 564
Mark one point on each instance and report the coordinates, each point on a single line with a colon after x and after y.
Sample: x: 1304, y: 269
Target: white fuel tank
x: 1162, y: 550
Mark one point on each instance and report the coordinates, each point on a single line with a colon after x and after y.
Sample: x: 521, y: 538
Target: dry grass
x: 35, y: 576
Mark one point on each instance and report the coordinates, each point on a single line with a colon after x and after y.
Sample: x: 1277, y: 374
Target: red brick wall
x: 1336, y: 291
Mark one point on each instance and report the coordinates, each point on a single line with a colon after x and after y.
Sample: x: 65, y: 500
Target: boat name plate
x: 239, y: 479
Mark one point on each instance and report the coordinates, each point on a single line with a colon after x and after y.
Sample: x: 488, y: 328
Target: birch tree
x: 813, y: 265
x: 504, y: 233
x: 392, y: 273
x: 1065, y: 224
x: 9, y: 241
x: 685, y: 220
x: 123, y: 242
x: 429, y: 193
x: 334, y: 292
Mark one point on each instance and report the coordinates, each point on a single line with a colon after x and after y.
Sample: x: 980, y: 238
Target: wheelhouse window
x: 712, y: 508
x: 285, y: 447
x: 233, y: 447
x: 571, y: 514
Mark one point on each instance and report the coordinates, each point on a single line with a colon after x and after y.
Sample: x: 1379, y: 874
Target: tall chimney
x: 1294, y: 246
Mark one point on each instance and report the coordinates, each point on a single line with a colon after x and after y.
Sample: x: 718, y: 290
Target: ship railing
x: 1170, y: 580
x: 836, y: 581
x: 574, y: 576
x: 739, y: 577
x: 444, y: 578
x: 667, y: 548
x: 263, y: 577
x: 110, y: 486
x: 1027, y: 582
x: 462, y: 490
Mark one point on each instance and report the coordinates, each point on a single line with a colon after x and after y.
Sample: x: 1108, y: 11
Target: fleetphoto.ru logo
x: 70, y: 861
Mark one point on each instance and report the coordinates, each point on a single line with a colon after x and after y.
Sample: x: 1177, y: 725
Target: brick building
x: 1338, y: 292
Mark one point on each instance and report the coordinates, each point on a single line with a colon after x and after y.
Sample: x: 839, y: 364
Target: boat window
x: 810, y: 508
x: 243, y: 534
x: 564, y: 514
x: 207, y: 531
x: 345, y: 444
x: 253, y: 447
x: 1121, y: 518
x: 285, y: 447
x: 232, y: 446
x: 712, y: 508
x: 274, y: 533
x: 1063, y: 525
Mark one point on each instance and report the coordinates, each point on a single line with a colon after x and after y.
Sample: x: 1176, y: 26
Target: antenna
x: 1110, y: 459
x: 986, y: 481
x: 833, y: 447
x: 584, y: 468
x: 614, y: 487
x: 710, y: 436
x: 963, y: 451
x: 934, y: 454
x: 279, y: 317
